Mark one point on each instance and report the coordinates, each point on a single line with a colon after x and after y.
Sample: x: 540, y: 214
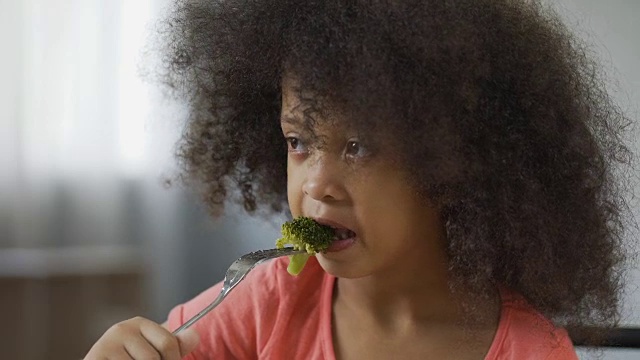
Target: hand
x: 142, y: 339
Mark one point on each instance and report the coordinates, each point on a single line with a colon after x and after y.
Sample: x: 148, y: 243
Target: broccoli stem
x: 297, y: 262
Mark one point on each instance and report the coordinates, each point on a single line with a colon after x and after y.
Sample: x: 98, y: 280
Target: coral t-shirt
x: 273, y: 315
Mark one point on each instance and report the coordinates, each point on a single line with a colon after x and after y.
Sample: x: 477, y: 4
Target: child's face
x: 336, y: 179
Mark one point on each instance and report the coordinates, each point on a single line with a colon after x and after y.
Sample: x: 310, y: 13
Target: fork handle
x: 202, y: 313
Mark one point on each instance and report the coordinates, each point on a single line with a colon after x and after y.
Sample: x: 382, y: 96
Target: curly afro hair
x: 496, y: 107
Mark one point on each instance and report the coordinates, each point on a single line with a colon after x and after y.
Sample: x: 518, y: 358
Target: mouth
x: 343, y: 234
x: 343, y: 238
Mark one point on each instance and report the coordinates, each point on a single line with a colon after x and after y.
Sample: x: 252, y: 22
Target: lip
x: 331, y: 223
x: 338, y: 245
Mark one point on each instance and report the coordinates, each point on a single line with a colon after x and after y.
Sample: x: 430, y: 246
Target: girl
x: 466, y: 149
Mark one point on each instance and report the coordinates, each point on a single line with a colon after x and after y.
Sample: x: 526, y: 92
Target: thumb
x: 188, y: 340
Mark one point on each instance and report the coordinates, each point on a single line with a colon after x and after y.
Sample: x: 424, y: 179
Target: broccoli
x: 304, y: 234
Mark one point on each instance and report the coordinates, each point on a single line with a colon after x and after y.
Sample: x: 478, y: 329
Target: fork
x: 236, y: 273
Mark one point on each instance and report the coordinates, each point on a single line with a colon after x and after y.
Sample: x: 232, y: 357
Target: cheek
x: 294, y: 190
x: 386, y: 219
x: 387, y: 205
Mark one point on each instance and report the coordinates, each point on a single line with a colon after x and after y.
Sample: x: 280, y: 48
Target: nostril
x: 324, y: 182
x: 322, y: 191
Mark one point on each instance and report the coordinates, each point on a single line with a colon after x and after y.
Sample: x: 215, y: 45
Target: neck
x: 412, y: 292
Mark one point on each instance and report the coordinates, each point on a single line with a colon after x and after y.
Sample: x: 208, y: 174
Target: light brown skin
x: 392, y: 297
x: 140, y: 338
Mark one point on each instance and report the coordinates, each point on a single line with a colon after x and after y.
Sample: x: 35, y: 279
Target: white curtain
x: 83, y: 152
x: 85, y: 145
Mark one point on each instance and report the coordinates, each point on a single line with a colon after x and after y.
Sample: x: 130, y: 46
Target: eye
x: 355, y: 148
x: 294, y: 144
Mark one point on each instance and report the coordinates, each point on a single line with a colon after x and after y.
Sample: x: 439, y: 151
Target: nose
x: 324, y: 180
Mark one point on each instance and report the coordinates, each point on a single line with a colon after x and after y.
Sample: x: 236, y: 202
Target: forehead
x: 321, y: 113
x: 303, y: 107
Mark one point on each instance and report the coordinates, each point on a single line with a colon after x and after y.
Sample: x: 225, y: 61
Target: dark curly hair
x: 497, y: 108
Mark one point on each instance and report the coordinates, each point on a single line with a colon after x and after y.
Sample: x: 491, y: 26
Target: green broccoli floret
x: 304, y: 234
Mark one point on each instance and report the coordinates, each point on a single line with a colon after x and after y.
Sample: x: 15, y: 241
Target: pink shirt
x: 273, y: 315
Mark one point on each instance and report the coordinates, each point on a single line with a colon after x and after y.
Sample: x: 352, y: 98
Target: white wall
x: 613, y: 27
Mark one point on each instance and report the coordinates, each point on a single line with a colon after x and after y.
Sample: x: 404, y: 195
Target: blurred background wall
x: 88, y: 233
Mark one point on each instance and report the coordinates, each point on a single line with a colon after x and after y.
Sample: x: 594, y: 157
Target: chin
x: 341, y: 268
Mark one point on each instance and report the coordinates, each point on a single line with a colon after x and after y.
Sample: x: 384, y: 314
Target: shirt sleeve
x: 564, y: 350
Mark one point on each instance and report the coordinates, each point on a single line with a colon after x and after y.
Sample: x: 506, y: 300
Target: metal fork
x: 236, y: 272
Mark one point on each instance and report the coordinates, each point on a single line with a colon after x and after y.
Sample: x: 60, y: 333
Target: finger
x: 161, y: 339
x: 139, y: 348
x: 118, y: 355
x: 113, y: 354
x: 109, y: 347
x: 188, y: 340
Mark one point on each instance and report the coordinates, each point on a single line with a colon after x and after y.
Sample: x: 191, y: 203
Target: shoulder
x: 524, y: 333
